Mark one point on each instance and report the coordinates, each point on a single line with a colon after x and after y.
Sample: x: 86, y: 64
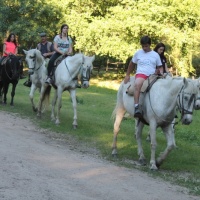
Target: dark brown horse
x: 10, y: 74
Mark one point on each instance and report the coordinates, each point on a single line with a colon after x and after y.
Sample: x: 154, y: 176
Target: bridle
x: 181, y: 107
x: 85, y: 77
x: 32, y: 57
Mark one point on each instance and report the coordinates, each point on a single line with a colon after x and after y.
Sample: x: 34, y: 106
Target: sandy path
x: 37, y: 167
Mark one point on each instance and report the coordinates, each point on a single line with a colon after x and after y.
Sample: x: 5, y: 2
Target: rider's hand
x: 45, y: 55
x: 127, y: 79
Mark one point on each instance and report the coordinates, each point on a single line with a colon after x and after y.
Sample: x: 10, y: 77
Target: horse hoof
x: 159, y: 163
x: 53, y: 120
x: 114, y: 156
x: 57, y: 122
x: 142, y: 162
x: 35, y: 109
x: 153, y: 167
x: 75, y: 126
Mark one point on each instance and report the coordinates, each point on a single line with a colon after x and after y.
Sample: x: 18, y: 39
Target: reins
x: 5, y: 68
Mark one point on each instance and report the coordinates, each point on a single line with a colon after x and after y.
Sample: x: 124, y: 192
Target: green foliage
x: 110, y: 28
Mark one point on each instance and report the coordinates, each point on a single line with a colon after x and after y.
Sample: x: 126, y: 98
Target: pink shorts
x: 141, y: 76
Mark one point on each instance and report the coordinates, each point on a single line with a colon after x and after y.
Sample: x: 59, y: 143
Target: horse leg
x: 153, y: 145
x: 169, y: 133
x: 13, y: 93
x: 74, y: 104
x: 120, y: 111
x: 33, y: 88
x: 59, y: 99
x: 42, y: 96
x: 5, y: 91
x: 138, y: 135
x: 53, y: 106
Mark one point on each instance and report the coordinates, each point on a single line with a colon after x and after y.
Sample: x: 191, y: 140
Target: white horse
x: 159, y: 109
x: 38, y: 72
x: 66, y: 79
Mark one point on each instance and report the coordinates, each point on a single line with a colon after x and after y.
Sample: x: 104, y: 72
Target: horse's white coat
x: 159, y: 111
x: 197, y: 99
x: 37, y: 70
x: 66, y: 79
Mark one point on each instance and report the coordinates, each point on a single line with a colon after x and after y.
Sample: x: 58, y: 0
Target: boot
x: 49, y: 80
x: 138, y: 109
x: 138, y: 112
x: 27, y: 83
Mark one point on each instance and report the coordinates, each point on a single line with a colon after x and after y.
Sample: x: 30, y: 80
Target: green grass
x: 95, y: 129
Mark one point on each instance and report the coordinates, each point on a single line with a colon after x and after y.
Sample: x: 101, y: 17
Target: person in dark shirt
x: 160, y: 49
x: 46, y: 49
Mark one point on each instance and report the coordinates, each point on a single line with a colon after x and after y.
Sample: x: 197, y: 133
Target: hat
x: 42, y: 34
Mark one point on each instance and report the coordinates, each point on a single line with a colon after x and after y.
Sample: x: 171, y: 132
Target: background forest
x: 110, y: 28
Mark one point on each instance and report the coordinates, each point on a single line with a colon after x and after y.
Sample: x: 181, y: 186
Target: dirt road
x: 34, y: 166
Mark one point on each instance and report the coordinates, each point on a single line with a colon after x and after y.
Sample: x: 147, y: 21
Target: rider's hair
x: 145, y: 40
x: 157, y: 47
x: 9, y: 38
x: 61, y: 28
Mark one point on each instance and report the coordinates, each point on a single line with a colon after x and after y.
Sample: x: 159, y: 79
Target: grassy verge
x: 95, y: 106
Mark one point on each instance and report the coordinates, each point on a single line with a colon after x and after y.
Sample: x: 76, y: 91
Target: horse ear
x: 25, y: 51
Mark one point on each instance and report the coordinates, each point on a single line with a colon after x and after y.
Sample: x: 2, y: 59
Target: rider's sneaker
x: 27, y: 83
x: 138, y: 112
x: 48, y: 81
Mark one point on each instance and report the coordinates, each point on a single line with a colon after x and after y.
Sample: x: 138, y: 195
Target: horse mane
x: 39, y: 56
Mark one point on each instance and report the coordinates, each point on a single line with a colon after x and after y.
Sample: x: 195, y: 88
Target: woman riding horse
x: 9, y: 48
x: 9, y: 66
x: 62, y: 46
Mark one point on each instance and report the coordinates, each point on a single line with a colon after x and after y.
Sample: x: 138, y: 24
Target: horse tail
x: 46, y: 96
x: 119, y: 103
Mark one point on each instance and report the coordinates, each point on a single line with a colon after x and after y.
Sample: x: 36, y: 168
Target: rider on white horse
x: 62, y: 46
x: 46, y: 49
x: 147, y: 61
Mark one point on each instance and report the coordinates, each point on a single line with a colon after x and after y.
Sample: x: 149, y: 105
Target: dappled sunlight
x: 110, y: 84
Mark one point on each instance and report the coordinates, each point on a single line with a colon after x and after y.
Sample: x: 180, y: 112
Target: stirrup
x: 49, y: 80
x: 138, y: 112
x: 27, y: 83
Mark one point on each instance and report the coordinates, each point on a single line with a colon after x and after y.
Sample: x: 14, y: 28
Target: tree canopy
x: 111, y: 28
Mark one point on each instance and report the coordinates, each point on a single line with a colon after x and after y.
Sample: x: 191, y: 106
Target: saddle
x: 59, y: 60
x: 56, y: 63
x: 146, y: 86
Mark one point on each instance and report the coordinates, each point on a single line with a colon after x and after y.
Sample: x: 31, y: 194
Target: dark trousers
x: 51, y: 63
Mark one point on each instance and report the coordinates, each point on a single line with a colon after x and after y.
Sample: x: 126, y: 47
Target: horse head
x: 34, y: 60
x: 86, y: 70
x: 186, y: 101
